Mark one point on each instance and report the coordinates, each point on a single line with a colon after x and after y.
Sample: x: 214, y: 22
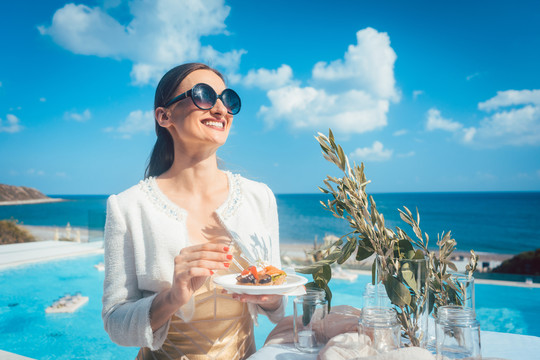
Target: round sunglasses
x: 204, y: 97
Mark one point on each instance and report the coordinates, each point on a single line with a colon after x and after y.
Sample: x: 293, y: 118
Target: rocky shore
x: 19, y: 195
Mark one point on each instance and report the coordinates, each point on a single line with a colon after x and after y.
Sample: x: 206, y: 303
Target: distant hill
x: 526, y: 263
x: 20, y: 193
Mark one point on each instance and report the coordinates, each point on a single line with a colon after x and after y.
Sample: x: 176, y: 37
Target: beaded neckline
x: 234, y: 198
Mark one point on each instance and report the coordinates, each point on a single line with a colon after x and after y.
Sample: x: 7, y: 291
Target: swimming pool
x: 27, y: 330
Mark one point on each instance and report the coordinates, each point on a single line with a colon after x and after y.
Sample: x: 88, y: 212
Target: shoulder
x: 255, y: 192
x: 253, y: 187
x: 134, y: 194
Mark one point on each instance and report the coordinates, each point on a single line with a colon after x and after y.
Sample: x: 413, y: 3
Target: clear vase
x: 310, y: 312
x: 457, y: 333
x: 458, y: 290
x: 405, y: 281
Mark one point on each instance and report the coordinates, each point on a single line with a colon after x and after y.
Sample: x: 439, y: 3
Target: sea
x: 495, y: 222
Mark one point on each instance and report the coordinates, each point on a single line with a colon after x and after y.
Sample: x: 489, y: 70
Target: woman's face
x: 193, y: 126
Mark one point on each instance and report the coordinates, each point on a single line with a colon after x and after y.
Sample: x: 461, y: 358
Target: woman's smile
x: 214, y: 124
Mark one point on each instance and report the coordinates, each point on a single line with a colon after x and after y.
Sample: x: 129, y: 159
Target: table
x: 494, y: 345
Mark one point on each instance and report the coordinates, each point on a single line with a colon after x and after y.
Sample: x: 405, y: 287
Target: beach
x: 28, y: 202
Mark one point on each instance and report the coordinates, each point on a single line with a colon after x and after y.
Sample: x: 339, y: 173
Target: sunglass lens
x: 204, y: 96
x: 231, y: 100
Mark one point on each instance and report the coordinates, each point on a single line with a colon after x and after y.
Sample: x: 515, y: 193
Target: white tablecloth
x: 494, y: 345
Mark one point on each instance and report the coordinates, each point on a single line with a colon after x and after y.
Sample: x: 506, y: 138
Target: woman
x: 188, y: 221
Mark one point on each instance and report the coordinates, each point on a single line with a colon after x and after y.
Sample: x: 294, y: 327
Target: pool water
x: 27, y: 330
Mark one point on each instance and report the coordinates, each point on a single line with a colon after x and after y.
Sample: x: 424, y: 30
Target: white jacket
x: 144, y: 231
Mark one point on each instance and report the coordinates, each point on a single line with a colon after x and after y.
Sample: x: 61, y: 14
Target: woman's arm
x: 125, y: 311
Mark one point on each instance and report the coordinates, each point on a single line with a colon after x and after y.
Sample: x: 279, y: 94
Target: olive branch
x: 369, y: 235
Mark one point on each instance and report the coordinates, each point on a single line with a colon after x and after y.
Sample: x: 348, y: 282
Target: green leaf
x: 451, y: 265
x: 373, y: 272
x: 405, y: 248
x: 397, y: 292
x: 363, y: 252
x: 308, y: 309
x: 342, y: 157
x: 408, y: 277
x: 347, y: 250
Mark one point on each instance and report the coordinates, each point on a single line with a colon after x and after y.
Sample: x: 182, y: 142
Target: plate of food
x: 266, y: 281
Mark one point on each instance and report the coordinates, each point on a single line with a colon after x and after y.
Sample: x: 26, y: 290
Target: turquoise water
x: 27, y: 330
x: 499, y: 222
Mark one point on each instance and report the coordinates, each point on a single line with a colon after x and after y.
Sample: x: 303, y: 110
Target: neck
x: 193, y: 172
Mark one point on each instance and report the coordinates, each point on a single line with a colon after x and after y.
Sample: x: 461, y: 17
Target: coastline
x: 28, y: 202
x: 293, y: 254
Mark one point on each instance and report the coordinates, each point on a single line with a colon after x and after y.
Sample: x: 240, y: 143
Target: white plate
x: 228, y: 282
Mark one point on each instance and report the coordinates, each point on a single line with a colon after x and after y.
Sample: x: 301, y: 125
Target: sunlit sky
x: 430, y: 95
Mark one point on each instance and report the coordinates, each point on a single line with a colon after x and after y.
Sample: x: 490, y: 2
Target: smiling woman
x: 187, y: 221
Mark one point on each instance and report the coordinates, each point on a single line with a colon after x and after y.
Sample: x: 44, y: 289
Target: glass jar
x: 457, y: 333
x: 382, y: 327
x: 465, y: 284
x: 310, y: 311
x: 375, y: 296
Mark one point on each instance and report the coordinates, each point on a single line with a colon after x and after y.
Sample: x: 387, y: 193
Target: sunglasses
x: 204, y: 97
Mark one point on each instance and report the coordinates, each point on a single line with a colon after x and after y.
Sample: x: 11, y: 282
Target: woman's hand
x: 193, y: 266
x: 267, y: 302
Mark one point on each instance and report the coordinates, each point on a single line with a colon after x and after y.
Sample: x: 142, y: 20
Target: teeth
x: 214, y: 123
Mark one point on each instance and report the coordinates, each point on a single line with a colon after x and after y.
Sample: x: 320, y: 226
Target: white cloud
x: 369, y: 65
x: 11, y: 125
x: 137, y: 121
x: 269, y: 79
x: 417, y: 93
x: 515, y: 120
x: 511, y: 98
x: 400, y: 132
x: 472, y: 76
x: 468, y: 134
x: 436, y: 122
x: 353, y: 111
x: 376, y: 152
x: 0, y: 84
x: 365, y: 79
x: 517, y: 127
x: 42, y: 99
x: 161, y: 34
x: 82, y: 117
x: 35, y: 172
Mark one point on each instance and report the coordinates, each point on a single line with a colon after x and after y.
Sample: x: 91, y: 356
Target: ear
x: 163, y: 117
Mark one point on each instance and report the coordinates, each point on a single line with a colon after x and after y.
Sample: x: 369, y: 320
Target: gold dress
x: 221, y: 328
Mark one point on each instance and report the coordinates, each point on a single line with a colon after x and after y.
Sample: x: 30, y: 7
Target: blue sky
x: 431, y: 96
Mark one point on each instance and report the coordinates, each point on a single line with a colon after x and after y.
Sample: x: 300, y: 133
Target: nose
x: 219, y: 108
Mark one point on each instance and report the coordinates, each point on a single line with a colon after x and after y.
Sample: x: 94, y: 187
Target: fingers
x: 210, y: 256
x: 209, y: 246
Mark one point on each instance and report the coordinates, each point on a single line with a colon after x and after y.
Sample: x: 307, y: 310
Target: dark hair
x: 162, y: 156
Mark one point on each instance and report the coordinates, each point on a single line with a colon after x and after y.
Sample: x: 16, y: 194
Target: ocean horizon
x: 497, y: 222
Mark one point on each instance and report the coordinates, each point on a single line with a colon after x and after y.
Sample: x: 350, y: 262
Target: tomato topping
x: 253, y: 270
